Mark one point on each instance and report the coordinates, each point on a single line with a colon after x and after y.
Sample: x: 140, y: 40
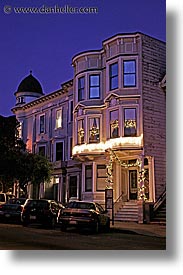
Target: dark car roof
x: 81, y: 205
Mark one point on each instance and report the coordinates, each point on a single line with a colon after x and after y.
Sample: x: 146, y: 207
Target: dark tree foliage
x: 15, y: 162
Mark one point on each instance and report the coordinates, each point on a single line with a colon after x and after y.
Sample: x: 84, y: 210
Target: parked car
x: 40, y: 211
x: 10, y: 213
x: 84, y: 214
x: 20, y: 201
x: 4, y: 197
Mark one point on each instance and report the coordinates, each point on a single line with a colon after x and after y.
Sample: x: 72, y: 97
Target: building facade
x: 106, y: 127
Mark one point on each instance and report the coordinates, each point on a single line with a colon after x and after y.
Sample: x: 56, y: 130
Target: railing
x: 159, y: 201
x: 118, y: 198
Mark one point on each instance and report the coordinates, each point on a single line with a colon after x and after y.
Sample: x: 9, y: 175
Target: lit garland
x: 141, y: 177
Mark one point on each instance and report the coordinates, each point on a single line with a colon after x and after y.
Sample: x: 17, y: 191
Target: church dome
x: 30, y: 84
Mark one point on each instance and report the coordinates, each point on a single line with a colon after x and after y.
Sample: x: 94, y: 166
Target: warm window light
x: 111, y: 143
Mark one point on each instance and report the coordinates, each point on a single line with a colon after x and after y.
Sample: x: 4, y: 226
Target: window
x: 81, y: 131
x: 130, y: 124
x: 113, y: 76
x: 94, y: 83
x: 70, y: 148
x: 59, y: 118
x: 71, y: 110
x: 101, y: 177
x: 42, y: 151
x: 94, y: 130
x: 114, y: 124
x: 88, y: 178
x: 42, y: 124
x: 19, y: 130
x: 81, y: 88
x: 129, y: 73
x: 133, y: 184
x: 59, y: 151
x: 73, y: 186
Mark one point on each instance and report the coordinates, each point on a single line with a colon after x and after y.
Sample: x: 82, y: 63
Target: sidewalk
x: 155, y: 230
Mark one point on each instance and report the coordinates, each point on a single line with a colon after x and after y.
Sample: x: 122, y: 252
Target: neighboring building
x: 112, y: 115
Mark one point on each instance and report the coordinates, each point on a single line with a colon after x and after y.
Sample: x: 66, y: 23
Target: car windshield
x: 37, y: 204
x: 11, y: 207
x: 2, y: 198
x: 81, y: 205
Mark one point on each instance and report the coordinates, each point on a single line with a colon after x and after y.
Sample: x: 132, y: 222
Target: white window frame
x: 130, y: 58
x: 59, y: 119
x: 42, y: 115
x: 88, y: 124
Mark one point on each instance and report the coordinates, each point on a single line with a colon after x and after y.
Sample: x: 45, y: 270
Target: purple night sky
x: 46, y: 43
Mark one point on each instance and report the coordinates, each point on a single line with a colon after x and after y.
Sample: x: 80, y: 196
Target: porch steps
x: 127, y: 212
x: 160, y: 215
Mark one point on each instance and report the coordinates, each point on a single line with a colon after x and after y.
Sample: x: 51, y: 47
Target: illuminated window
x: 59, y: 118
x: 130, y: 123
x: 114, y: 124
x: 94, y: 130
x: 94, y: 91
x: 101, y: 177
x: 81, y: 88
x: 129, y: 73
x: 88, y: 178
x: 81, y: 131
x: 42, y: 124
x: 113, y: 76
x: 19, y: 130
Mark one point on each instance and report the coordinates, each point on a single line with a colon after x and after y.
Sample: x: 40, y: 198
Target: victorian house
x: 105, y: 128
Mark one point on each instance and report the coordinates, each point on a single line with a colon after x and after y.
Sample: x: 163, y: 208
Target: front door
x: 133, y: 186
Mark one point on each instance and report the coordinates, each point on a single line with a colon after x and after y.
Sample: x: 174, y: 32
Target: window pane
x: 81, y: 131
x: 129, y: 80
x: 94, y: 80
x: 129, y: 66
x: 114, y: 83
x: 59, y: 151
x: 130, y: 127
x: 42, y: 124
x: 129, y: 73
x: 94, y: 130
x: 42, y: 150
x: 59, y: 118
x: 81, y: 86
x: 88, y: 178
x: 94, y: 92
x: 114, y: 69
x: 81, y: 82
x: 101, y: 177
x: 114, y: 124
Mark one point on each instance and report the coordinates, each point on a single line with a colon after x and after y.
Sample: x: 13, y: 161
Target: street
x: 17, y: 237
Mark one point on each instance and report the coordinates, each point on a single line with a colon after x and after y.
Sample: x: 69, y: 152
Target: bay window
x: 81, y: 88
x: 94, y: 130
x: 114, y: 124
x: 94, y: 86
x: 129, y: 73
x: 113, y: 76
x: 130, y: 122
x: 80, y: 131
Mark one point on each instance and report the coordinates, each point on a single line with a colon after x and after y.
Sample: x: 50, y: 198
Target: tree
x: 15, y: 162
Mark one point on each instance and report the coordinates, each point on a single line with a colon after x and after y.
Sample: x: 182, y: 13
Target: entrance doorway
x: 133, y: 186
